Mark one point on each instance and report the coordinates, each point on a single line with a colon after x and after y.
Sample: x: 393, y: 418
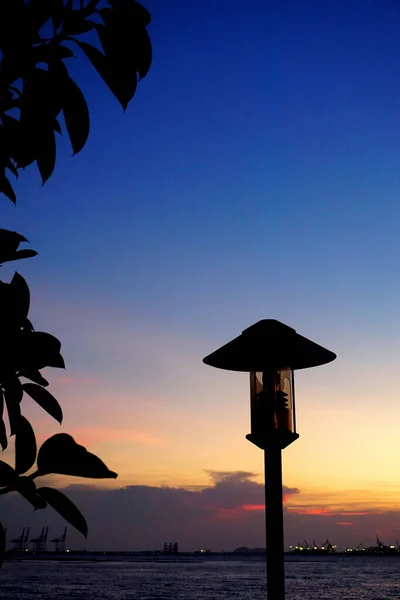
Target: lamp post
x: 271, y: 351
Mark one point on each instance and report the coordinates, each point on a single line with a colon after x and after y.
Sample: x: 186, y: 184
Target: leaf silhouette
x: 57, y: 126
x: 46, y: 156
x: 13, y: 391
x: 14, y: 412
x: 34, y: 376
x: 40, y: 11
x: 7, y: 189
x: 25, y: 446
x: 8, y: 476
x: 146, y: 54
x: 3, y: 435
x: 10, y: 240
x: 32, y: 350
x: 61, y: 454
x: 25, y: 253
x: 13, y: 168
x: 76, y: 115
x: 14, y: 303
x: 27, y: 488
x: 125, y: 39
x: 44, y: 399
x: 63, y: 505
x: 21, y: 297
x: 122, y: 85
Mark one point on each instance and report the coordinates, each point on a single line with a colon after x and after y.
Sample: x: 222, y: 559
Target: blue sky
x: 256, y: 174
x: 261, y: 153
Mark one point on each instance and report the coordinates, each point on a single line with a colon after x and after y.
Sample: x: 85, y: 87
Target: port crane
x: 39, y: 543
x: 360, y: 547
x: 21, y: 543
x: 328, y: 546
x: 299, y: 546
x: 60, y: 542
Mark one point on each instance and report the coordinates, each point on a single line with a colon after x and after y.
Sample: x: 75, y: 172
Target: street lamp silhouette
x: 270, y: 351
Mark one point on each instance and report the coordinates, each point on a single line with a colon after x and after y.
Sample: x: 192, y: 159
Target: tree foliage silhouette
x: 37, y: 40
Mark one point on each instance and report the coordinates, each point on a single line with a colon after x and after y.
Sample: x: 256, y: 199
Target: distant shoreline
x: 146, y: 556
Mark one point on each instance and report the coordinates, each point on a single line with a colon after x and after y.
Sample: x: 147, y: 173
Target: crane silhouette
x: 60, y: 542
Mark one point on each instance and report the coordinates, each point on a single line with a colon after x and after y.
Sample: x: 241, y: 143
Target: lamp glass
x: 270, y: 409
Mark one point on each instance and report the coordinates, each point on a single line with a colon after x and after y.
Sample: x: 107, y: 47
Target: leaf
x: 10, y: 240
x: 13, y: 395
x: 125, y: 39
x: 25, y: 446
x: 76, y: 115
x: 21, y: 297
x: 11, y: 135
x: 8, y: 475
x: 25, y: 253
x: 90, y: 7
x: 67, y: 509
x: 6, y: 188
x: 57, y: 126
x: 14, y: 304
x: 44, y: 399
x: 40, y: 104
x: 27, y: 488
x: 46, y: 156
x: 2, y: 543
x: 61, y: 454
x: 3, y: 435
x: 12, y: 168
x: 27, y: 326
x: 122, y: 85
x: 35, y: 376
x: 14, y: 413
x: 32, y: 350
x: 65, y: 52
x: 40, y: 11
x: 74, y: 22
x: 76, y: 26
x: 58, y: 12
x: 133, y: 10
x: 13, y: 390
x: 146, y: 55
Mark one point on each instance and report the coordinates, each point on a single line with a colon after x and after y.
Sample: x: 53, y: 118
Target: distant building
x: 171, y: 548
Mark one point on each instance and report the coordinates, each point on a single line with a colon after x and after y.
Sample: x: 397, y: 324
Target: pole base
x: 279, y: 438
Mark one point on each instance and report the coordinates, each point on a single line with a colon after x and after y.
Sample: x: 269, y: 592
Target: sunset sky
x: 256, y: 174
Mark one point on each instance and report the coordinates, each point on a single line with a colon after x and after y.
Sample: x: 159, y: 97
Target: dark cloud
x: 219, y: 516
x: 226, y: 514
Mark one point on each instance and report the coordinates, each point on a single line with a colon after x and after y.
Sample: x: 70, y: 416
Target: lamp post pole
x: 270, y: 351
x: 272, y: 403
x: 274, y: 523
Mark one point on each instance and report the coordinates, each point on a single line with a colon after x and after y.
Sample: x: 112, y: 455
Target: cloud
x: 92, y: 435
x: 226, y: 514
x: 310, y: 510
x: 137, y: 516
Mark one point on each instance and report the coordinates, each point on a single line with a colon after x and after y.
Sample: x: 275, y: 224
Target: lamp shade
x: 269, y: 343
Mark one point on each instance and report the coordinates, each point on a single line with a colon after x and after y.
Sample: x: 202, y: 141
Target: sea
x: 124, y: 578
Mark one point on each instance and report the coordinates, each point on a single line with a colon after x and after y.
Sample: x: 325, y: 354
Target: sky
x: 255, y: 174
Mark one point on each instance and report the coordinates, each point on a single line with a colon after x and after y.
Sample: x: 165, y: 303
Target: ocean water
x: 336, y: 578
